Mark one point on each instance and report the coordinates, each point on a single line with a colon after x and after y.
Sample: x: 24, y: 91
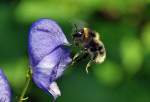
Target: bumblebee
x: 90, y: 44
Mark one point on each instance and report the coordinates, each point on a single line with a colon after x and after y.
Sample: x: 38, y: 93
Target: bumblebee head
x: 78, y: 35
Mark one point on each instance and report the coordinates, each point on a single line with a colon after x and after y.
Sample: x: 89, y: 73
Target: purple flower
x: 5, y: 93
x: 48, y: 56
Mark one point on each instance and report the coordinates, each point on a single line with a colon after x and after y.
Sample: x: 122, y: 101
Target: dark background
x: 124, y: 26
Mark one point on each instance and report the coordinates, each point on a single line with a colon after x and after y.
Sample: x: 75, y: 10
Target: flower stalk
x: 28, y: 81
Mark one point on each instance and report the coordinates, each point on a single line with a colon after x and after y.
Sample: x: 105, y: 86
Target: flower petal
x: 5, y: 93
x: 48, y: 56
x: 54, y: 90
x: 50, y: 68
x: 44, y: 36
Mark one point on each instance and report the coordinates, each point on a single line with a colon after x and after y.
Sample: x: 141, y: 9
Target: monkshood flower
x: 5, y: 93
x: 48, y: 55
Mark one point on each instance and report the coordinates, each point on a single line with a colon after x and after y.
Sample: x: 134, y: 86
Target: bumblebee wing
x: 44, y: 36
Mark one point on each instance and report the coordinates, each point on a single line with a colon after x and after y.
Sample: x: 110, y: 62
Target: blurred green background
x: 124, y: 26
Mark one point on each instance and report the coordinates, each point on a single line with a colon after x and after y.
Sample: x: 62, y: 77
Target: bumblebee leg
x: 84, y: 56
x: 88, y: 65
x: 75, y: 57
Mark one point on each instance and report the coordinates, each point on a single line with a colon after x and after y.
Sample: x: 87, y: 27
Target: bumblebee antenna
x: 76, y: 27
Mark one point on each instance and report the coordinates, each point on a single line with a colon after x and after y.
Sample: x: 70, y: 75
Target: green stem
x: 22, y: 97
